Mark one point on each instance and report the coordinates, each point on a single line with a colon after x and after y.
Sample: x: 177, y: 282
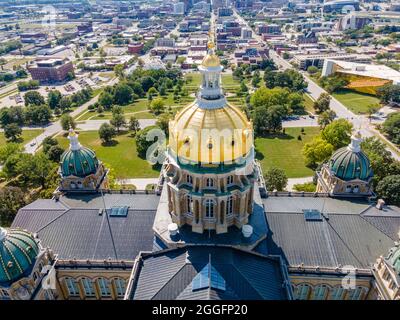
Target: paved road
x: 293, y: 181
x: 139, y: 183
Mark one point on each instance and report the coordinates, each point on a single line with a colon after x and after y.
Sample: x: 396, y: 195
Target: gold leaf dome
x: 211, y: 60
x: 210, y: 136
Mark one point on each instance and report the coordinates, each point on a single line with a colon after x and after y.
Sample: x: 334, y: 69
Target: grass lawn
x: 308, y: 103
x: 122, y: 156
x: 284, y: 151
x: 27, y: 135
x: 355, y: 101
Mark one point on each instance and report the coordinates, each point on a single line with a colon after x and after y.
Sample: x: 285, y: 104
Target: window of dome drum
x: 209, y: 209
x: 209, y: 183
x: 209, y: 146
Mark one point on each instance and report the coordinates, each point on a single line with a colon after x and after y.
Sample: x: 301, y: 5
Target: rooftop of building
x: 76, y: 226
x: 368, y: 70
x: 343, y: 232
x: 208, y: 273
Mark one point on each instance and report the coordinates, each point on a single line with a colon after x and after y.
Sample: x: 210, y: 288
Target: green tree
x: 141, y: 142
x: 391, y: 127
x: 118, y: 118
x: 389, y: 189
x: 312, y: 69
x: 67, y: 122
x: 106, y: 100
x: 163, y: 122
x: 34, y: 169
x: 134, y: 125
x: 65, y: 103
x: 107, y: 132
x: 12, y: 132
x: 48, y: 142
x: 157, y: 106
x: 11, y: 200
x: 322, y: 103
x: 37, y: 115
x: 276, y: 179
x: 337, y: 133
x: 53, y: 99
x: 33, y: 98
x: 9, y: 149
x: 122, y: 94
x: 54, y: 153
x: 326, y: 118
x: 317, y: 151
x: 119, y: 70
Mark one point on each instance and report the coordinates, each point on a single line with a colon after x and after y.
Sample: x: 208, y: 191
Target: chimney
x: 380, y: 204
x: 173, y: 229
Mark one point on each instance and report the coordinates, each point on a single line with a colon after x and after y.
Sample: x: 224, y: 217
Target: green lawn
x: 308, y: 103
x: 284, y: 151
x: 122, y: 156
x: 27, y: 135
x: 355, y: 101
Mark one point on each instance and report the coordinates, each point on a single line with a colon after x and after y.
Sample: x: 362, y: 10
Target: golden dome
x: 211, y: 60
x: 210, y: 135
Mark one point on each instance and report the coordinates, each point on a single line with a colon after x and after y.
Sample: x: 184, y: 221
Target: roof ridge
x: 51, y: 221
x: 376, y: 227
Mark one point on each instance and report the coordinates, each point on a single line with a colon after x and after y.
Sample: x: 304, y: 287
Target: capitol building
x: 211, y: 230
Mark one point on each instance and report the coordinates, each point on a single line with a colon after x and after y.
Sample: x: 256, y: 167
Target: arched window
x: 337, y: 293
x: 229, y: 205
x: 229, y: 180
x: 209, y: 208
x: 120, y: 287
x: 189, y: 202
x: 302, y: 292
x: 189, y: 179
x: 356, y: 294
x: 88, y: 287
x: 104, y: 286
x: 72, y: 287
x: 209, y: 182
x: 320, y: 292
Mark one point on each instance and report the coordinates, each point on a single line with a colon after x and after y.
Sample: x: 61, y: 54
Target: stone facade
x: 209, y: 201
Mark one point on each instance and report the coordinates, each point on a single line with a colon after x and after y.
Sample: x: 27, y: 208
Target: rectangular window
x: 355, y: 294
x: 120, y: 286
x: 337, y: 293
x: 73, y: 289
x: 88, y: 287
x: 104, y: 286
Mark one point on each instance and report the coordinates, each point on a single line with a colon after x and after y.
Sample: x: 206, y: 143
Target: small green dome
x: 350, y: 162
x: 18, y: 252
x: 78, y: 160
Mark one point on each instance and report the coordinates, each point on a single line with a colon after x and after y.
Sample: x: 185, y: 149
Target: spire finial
x: 73, y: 140
x: 355, y: 143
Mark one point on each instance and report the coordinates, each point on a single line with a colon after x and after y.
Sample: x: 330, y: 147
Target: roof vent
x: 247, y: 230
x: 380, y: 204
x: 173, y: 229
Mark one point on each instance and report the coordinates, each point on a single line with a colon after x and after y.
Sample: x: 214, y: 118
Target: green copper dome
x: 350, y: 162
x: 77, y: 160
x: 18, y: 252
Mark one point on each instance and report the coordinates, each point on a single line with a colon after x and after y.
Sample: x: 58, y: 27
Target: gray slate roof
x: 351, y: 232
x: 168, y: 275
x: 73, y: 228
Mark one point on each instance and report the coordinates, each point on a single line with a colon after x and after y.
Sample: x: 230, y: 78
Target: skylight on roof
x: 312, y: 215
x: 208, y: 277
x: 118, y: 211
